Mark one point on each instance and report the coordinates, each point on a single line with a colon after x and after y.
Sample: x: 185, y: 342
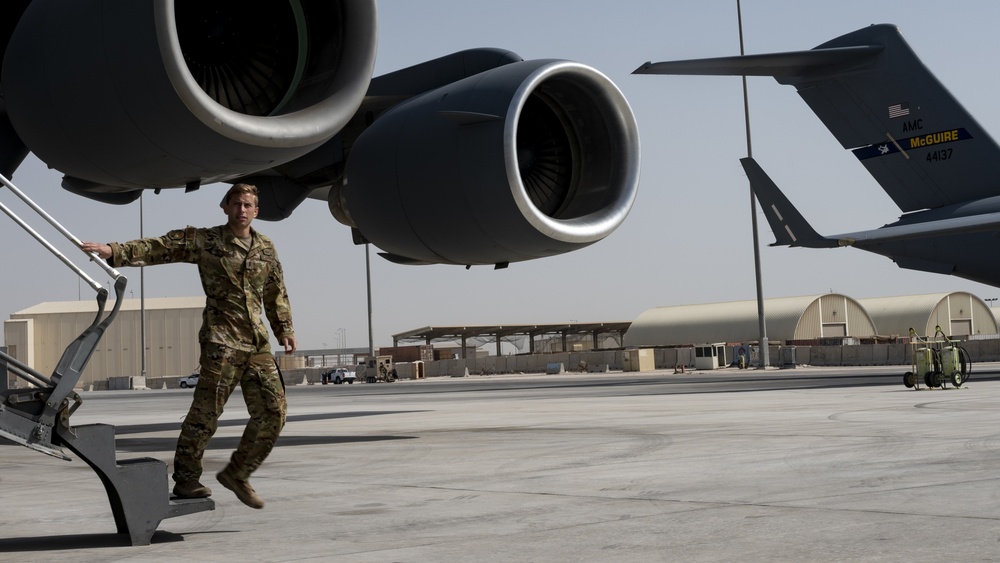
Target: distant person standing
x: 241, y: 275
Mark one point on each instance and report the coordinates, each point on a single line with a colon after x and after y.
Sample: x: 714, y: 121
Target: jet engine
x: 127, y: 94
x: 531, y: 159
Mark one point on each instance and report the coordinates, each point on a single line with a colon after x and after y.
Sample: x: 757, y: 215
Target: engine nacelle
x: 528, y: 160
x: 163, y: 93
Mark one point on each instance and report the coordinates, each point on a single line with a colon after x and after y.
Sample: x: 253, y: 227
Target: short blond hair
x: 240, y: 189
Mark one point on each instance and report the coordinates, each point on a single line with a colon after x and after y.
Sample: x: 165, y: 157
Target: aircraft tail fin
x: 881, y: 102
x: 790, y: 228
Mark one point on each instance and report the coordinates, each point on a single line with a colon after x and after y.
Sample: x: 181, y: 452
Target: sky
x: 688, y: 238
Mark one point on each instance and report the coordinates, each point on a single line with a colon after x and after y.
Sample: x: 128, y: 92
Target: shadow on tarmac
x: 79, y: 541
x: 147, y: 445
x: 176, y: 426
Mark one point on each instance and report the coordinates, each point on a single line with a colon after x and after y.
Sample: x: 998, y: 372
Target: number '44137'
x: 937, y: 156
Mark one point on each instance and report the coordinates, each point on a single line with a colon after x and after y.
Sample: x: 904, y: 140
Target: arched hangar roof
x: 787, y: 318
x: 957, y: 313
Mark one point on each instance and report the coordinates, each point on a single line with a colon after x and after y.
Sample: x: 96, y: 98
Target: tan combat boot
x: 191, y: 489
x: 242, y: 488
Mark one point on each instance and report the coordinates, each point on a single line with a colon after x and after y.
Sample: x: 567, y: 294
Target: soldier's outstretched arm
x: 180, y: 245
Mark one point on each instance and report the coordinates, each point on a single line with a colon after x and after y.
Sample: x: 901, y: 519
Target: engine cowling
x: 162, y: 93
x: 528, y: 160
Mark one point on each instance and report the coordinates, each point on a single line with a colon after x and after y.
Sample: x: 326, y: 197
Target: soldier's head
x: 240, y: 206
x: 240, y: 189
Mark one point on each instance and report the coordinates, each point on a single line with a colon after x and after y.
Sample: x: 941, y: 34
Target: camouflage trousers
x: 264, y: 392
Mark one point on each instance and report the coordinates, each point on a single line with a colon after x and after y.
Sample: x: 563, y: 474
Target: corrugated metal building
x: 959, y: 314
x: 37, y: 336
x: 788, y: 318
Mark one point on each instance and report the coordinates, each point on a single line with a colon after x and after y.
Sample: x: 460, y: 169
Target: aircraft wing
x: 879, y: 100
x: 477, y: 157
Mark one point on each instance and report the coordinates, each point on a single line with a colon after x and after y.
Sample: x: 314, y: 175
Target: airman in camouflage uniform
x: 241, y: 275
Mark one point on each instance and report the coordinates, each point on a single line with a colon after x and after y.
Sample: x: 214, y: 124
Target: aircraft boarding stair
x: 38, y: 415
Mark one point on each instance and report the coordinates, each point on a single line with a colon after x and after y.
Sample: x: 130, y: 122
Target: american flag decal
x: 899, y: 110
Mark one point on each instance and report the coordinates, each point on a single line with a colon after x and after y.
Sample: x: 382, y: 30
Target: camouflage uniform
x: 235, y: 348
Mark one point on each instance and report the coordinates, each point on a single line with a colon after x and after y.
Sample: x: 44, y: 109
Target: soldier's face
x: 241, y: 211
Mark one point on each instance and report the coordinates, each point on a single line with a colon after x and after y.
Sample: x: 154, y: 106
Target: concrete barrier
x: 603, y: 361
x: 126, y: 382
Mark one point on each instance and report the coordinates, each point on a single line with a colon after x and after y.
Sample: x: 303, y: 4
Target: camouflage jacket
x: 237, y: 282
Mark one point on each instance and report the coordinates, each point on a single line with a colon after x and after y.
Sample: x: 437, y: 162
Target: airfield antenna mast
x: 762, y: 325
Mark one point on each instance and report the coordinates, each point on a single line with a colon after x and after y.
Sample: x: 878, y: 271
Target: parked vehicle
x: 189, y: 381
x: 378, y: 369
x: 338, y: 376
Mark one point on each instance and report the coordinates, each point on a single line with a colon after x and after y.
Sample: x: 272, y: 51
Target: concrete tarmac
x: 452, y: 471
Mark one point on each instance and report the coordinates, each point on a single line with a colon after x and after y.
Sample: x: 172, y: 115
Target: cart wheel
x: 928, y: 380
x: 909, y: 379
x: 956, y: 379
x: 937, y: 378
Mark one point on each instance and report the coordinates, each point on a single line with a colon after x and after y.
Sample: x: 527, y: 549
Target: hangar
x: 38, y: 335
x: 959, y: 314
x: 808, y: 317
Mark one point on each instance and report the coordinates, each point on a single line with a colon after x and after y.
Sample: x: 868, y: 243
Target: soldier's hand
x: 102, y: 251
x: 289, y: 343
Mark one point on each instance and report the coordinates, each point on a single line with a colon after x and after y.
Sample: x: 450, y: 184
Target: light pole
x: 343, y: 346
x: 368, y: 274
x: 761, y: 324
x: 142, y: 302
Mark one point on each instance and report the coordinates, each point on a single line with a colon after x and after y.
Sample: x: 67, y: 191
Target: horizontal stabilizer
x: 792, y: 63
x: 789, y: 226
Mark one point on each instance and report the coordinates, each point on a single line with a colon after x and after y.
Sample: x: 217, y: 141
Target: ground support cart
x: 937, y: 361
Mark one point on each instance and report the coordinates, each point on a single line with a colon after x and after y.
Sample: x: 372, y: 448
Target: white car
x: 338, y: 376
x: 189, y: 381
